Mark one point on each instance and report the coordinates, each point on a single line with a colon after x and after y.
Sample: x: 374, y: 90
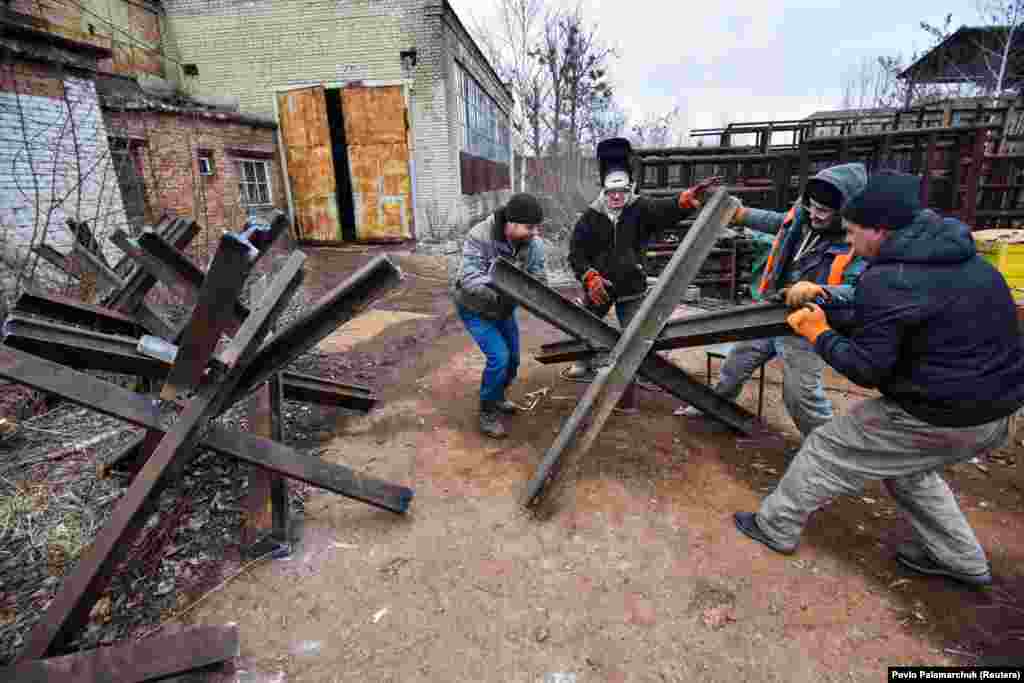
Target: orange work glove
x: 809, y: 322
x: 595, y: 285
x: 693, y: 197
x: 803, y: 293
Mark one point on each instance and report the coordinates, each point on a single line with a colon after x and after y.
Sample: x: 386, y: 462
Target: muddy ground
x: 643, y: 578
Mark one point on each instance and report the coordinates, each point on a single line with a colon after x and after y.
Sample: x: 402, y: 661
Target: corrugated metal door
x: 307, y: 143
x: 378, y: 154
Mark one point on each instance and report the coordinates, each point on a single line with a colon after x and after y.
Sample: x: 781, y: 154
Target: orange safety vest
x: 835, y: 273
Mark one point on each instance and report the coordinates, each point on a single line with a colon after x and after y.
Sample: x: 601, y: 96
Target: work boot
x: 490, y: 421
x: 913, y: 556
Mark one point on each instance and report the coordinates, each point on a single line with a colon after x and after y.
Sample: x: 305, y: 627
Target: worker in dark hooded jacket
x: 809, y: 259
x: 935, y: 331
x: 608, y: 250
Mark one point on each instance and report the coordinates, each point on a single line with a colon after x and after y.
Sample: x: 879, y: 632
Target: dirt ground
x: 643, y: 579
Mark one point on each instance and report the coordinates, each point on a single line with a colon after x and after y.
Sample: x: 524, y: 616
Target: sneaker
x: 490, y: 425
x: 915, y: 557
x: 579, y: 372
x: 507, y: 407
x: 689, y: 411
x: 746, y: 522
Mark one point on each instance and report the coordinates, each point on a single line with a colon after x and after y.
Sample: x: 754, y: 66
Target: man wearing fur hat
x: 935, y: 332
x: 608, y: 250
x: 509, y: 233
x: 809, y: 260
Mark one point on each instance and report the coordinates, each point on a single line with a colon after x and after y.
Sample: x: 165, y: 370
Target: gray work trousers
x: 880, y: 440
x: 803, y: 390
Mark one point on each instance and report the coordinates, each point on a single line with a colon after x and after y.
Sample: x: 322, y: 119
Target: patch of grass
x: 26, y: 499
x: 64, y: 541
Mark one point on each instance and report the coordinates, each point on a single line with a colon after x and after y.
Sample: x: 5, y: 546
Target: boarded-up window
x: 254, y: 183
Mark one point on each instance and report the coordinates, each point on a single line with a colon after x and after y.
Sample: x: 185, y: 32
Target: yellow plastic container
x: 1008, y: 260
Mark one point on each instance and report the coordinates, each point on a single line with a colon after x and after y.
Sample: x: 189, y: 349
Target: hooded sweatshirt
x: 801, y: 253
x: 935, y: 328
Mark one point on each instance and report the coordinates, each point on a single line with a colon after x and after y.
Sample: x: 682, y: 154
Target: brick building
x: 96, y: 126
x: 393, y: 123
x: 53, y: 142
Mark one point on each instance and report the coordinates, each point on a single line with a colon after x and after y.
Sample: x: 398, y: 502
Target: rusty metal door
x: 307, y: 143
x: 376, y: 129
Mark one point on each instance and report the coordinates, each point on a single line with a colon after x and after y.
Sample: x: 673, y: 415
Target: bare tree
x: 658, y: 130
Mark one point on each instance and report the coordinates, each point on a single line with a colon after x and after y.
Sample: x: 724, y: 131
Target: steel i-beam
x: 742, y: 323
x: 633, y: 345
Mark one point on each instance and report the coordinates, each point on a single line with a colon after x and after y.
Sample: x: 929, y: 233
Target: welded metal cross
x: 631, y: 350
x: 245, y: 364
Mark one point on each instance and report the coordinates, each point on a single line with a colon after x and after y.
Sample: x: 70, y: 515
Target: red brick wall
x: 171, y: 170
x: 30, y: 78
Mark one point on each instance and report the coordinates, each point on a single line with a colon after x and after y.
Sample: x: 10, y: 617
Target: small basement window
x: 206, y: 166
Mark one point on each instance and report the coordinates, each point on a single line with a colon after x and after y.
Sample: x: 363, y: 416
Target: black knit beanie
x: 825, y: 193
x: 524, y: 208
x: 889, y: 200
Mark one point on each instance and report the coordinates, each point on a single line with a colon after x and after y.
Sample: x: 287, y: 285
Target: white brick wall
x: 55, y: 164
x: 251, y: 49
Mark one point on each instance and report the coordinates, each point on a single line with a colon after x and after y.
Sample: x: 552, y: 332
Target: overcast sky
x: 747, y: 60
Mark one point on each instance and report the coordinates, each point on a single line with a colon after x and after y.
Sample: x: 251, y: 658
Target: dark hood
x: 930, y: 238
x: 849, y: 179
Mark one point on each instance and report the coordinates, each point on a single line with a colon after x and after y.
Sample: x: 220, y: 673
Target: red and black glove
x: 596, y: 287
x: 693, y: 197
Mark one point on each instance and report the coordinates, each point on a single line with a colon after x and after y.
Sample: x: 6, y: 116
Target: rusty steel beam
x: 90, y: 261
x: 552, y: 307
x: 74, y: 312
x: 126, y: 263
x: 137, y: 409
x: 309, y: 389
x: 174, y: 268
x: 180, y: 232
x: 80, y: 348
x: 134, y: 661
x: 211, y: 315
x: 741, y: 323
x: 581, y: 430
x: 79, y: 591
x: 57, y: 260
x: 335, y: 308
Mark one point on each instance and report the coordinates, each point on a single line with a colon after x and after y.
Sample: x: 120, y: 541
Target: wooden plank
x: 134, y: 661
x: 307, y: 143
x: 79, y: 591
x: 212, y: 314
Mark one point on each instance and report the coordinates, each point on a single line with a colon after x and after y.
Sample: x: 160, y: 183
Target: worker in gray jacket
x: 809, y: 260
x: 510, y: 233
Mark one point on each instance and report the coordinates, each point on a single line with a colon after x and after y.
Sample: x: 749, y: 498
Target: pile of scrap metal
x: 51, y: 342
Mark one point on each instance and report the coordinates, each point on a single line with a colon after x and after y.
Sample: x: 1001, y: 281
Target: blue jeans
x: 499, y: 340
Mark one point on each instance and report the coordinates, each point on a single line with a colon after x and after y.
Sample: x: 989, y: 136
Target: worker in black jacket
x: 936, y: 333
x: 609, y: 242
